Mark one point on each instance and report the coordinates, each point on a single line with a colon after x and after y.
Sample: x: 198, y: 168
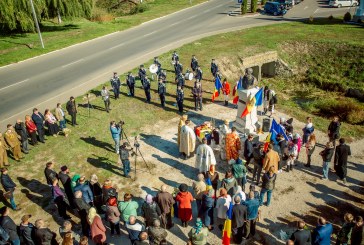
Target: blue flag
x: 259, y: 97
x: 276, y: 129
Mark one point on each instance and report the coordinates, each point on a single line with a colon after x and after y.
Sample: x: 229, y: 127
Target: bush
x: 140, y: 8
x: 254, y: 6
x: 331, y: 17
x: 100, y: 15
x: 244, y: 7
x: 347, y: 17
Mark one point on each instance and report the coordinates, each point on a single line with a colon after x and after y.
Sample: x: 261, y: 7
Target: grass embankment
x: 17, y: 47
x: 89, y: 148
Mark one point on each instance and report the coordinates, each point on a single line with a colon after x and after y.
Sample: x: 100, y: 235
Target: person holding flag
x: 237, y: 87
x: 218, y: 86
x: 226, y: 91
x: 226, y: 233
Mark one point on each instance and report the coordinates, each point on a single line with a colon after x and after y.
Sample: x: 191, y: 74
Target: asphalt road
x: 45, y: 80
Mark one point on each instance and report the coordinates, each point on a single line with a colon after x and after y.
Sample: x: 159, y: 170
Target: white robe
x: 222, y: 135
x: 204, y: 158
x: 187, y: 140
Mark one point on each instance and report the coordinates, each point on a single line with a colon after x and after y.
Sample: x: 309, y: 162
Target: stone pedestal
x: 248, y: 123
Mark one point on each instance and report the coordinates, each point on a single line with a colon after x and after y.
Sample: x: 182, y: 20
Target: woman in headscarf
x: 184, y: 199
x: 150, y: 210
x: 222, y: 206
x: 113, y: 215
x: 229, y: 182
x: 198, y: 233
x: 207, y: 208
x: 239, y: 192
x: 97, y: 227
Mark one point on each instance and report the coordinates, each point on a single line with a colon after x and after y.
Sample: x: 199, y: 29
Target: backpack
x: 4, y: 236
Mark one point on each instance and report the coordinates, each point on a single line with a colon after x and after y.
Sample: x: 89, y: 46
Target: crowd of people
x: 100, y: 207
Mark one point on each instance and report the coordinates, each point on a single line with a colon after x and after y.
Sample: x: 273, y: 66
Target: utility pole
x: 36, y: 23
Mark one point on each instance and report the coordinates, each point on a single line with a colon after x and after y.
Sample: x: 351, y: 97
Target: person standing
x: 222, y: 206
x: 213, y: 175
x: 214, y: 68
x: 106, y: 98
x: 86, y: 191
x: 204, y: 157
x: 198, y: 234
x: 341, y: 159
x: 4, y: 161
x: 199, y: 74
x: 326, y: 155
x: 248, y: 149
x: 115, y: 134
x: 150, y: 211
x: 165, y: 201
x: 269, y: 182
x: 184, y: 200
x: 187, y: 140
x: 9, y: 187
x: 197, y: 96
x: 182, y: 122
x: 293, y: 154
x: 175, y: 57
x: 115, y: 84
x: 146, y: 86
x: 32, y: 129
x: 226, y: 91
x: 224, y: 130
x: 82, y: 209
x: 124, y: 157
x: 98, y: 229
x: 134, y: 229
x: 252, y: 206
x: 207, y: 208
x: 113, y: 215
x: 239, y: 217
x: 239, y: 170
x: 258, y: 158
x: 301, y: 236
x: 49, y: 173
x: 130, y: 82
x: 128, y: 207
x: 65, y: 179
x: 180, y: 80
x: 321, y: 235
x: 11, y: 138
x: 310, y: 148
x: 229, y: 182
x: 156, y: 233
x: 344, y: 235
x: 233, y: 145
x: 44, y: 235
x: 26, y: 231
x: 65, y: 230
x: 96, y: 191
x: 333, y: 130
x: 179, y: 98
x: 199, y: 188
x: 22, y: 133
x: 9, y: 226
x: 162, y: 92
x: 158, y: 64
x: 178, y: 68
x: 357, y: 234
x: 194, y: 63
x: 58, y: 198
x: 38, y: 119
x: 61, y: 117
x: 72, y: 110
x: 307, y: 130
x: 282, y: 151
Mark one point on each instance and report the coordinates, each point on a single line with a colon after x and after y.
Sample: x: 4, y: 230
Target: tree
x: 244, y: 7
x: 68, y: 8
x: 254, y: 5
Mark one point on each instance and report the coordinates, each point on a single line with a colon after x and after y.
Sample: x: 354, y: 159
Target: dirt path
x: 298, y: 194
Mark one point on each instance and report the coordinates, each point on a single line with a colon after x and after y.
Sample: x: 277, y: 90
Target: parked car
x: 274, y: 8
x: 286, y: 3
x: 343, y: 3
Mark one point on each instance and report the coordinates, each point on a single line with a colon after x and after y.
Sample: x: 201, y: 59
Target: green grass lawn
x: 17, y: 47
x: 89, y: 147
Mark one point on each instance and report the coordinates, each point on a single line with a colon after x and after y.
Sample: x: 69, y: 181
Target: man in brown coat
x: 3, y: 154
x: 12, y: 140
x: 271, y: 159
x: 165, y: 201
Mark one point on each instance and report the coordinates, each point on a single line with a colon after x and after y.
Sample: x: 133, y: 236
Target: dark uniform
x: 197, y: 95
x: 130, y: 81
x: 115, y: 84
x: 198, y: 74
x: 178, y: 68
x: 157, y: 63
x: 180, y: 96
x: 194, y: 63
x: 162, y: 92
x: 146, y: 86
x: 142, y: 73
x: 214, y: 68
x: 180, y: 80
x: 38, y: 120
x: 175, y: 57
x: 162, y: 76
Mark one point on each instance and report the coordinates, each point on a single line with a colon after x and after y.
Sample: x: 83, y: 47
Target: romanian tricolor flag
x: 218, y: 86
x: 237, y: 87
x: 257, y: 100
x: 226, y: 233
x: 208, y: 184
x: 267, y: 141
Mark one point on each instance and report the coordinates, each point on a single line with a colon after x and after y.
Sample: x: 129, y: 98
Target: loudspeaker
x: 266, y: 124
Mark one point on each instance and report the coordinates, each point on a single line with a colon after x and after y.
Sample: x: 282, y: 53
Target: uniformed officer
x: 115, y: 84
x: 180, y: 80
x: 180, y: 97
x: 3, y: 154
x: 198, y: 74
x: 178, y: 68
x: 162, y: 92
x: 162, y: 76
x: 214, y: 68
x: 175, y: 57
x: 197, y: 95
x: 194, y: 63
x: 158, y: 64
x: 13, y: 142
x: 142, y: 73
x: 146, y: 86
x: 130, y: 81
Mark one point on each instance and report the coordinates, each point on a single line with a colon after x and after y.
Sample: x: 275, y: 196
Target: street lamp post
x: 36, y: 23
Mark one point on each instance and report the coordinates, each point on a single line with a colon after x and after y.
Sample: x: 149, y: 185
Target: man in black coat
x: 180, y: 97
x: 130, y: 81
x: 72, y: 110
x: 44, y: 235
x: 38, y: 119
x: 22, y: 132
x: 248, y: 149
x: 142, y: 73
x: 341, y: 159
x: 240, y: 215
x: 82, y: 208
x: 9, y: 186
x: 9, y: 226
x: 194, y: 63
x: 146, y: 86
x: 178, y: 68
x: 49, y: 173
x: 301, y: 236
x: 198, y: 74
x: 333, y: 130
x: 66, y: 182
x: 162, y: 92
x: 26, y: 231
x: 115, y: 84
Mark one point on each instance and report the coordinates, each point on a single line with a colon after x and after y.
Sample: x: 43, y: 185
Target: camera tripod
x: 137, y: 150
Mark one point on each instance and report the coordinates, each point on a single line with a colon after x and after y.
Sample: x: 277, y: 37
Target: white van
x: 343, y: 3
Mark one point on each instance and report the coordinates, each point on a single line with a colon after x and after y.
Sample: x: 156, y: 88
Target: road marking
x: 176, y: 23
x: 207, y: 10
x: 305, y: 7
x: 191, y: 17
x: 149, y: 33
x: 72, y: 63
x: 121, y: 44
x: 14, y: 84
x: 316, y: 11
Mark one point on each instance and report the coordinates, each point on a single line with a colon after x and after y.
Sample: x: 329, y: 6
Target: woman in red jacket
x: 32, y: 129
x: 184, y: 199
x: 97, y: 227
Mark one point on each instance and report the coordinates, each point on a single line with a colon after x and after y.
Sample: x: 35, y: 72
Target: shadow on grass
x: 57, y: 27
x: 105, y: 163
x: 95, y: 142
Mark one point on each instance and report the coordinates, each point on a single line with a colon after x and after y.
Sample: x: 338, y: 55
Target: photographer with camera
x: 124, y: 157
x: 115, y: 134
